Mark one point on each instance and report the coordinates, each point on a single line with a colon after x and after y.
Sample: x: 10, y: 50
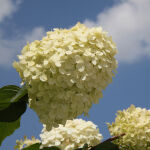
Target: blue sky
x: 126, y: 20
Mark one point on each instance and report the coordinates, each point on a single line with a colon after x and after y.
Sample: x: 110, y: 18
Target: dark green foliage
x: 6, y: 94
x: 106, y: 145
x: 85, y: 147
x: 12, y: 102
x: 37, y: 147
x: 7, y: 128
x: 20, y: 94
x: 13, y: 111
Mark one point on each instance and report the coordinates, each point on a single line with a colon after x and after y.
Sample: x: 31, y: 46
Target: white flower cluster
x: 66, y: 72
x: 26, y: 142
x: 73, y: 135
x: 135, y: 123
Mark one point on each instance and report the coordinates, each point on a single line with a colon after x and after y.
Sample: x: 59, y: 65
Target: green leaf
x: 21, y: 93
x: 13, y: 112
x: 37, y: 147
x: 13, y: 102
x: 106, y: 145
x: 33, y: 147
x: 6, y: 94
x: 85, y: 147
x: 7, y: 129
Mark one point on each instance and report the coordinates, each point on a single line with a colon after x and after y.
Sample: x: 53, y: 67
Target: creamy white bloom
x: 66, y: 72
x: 135, y: 123
x: 74, y: 134
x: 26, y: 142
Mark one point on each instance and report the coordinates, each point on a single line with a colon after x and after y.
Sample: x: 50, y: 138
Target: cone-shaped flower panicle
x: 74, y: 134
x: 66, y: 72
x: 135, y: 123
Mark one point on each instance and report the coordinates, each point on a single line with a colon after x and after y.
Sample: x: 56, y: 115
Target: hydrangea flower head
x: 74, y: 134
x: 135, y: 123
x: 26, y: 142
x: 66, y: 72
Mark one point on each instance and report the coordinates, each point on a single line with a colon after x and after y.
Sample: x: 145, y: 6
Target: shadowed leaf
x: 7, y: 128
x: 13, y: 102
x: 13, y: 111
x: 6, y: 94
x: 107, y: 145
x: 37, y: 147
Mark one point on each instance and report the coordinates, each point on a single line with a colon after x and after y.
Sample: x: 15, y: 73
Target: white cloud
x: 129, y: 24
x: 10, y: 48
x: 36, y: 34
x: 8, y: 7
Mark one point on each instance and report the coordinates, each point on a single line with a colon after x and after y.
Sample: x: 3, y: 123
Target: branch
x: 106, y: 141
x: 115, y: 137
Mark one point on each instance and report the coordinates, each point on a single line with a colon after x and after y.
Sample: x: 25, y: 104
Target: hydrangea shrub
x: 64, y: 74
x: 66, y: 71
